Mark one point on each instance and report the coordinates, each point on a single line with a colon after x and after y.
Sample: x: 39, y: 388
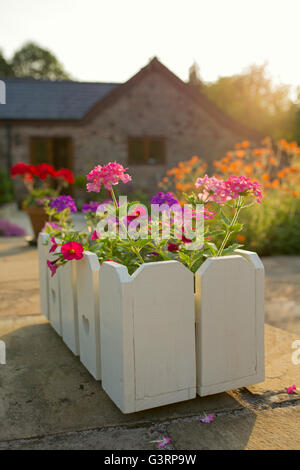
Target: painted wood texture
x: 88, y: 313
x: 147, y: 335
x: 229, y: 304
x: 69, y: 310
x: 43, y: 250
x: 54, y: 299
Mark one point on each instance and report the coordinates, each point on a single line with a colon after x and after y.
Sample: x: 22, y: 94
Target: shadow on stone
x: 45, y: 389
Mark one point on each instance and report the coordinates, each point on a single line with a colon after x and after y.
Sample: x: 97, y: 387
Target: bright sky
x: 110, y: 40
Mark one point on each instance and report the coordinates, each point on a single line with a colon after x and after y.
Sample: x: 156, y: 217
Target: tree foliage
x: 32, y: 61
x: 253, y: 99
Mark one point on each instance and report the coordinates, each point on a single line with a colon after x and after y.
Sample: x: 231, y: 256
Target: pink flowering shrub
x: 221, y: 201
x: 108, y: 176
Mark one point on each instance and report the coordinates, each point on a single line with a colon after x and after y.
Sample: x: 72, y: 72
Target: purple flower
x: 164, y: 198
x: 63, y: 202
x: 207, y: 418
x: 91, y: 206
x: 7, y: 229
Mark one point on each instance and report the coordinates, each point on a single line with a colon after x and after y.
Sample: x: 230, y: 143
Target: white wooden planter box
x: 229, y: 323
x: 151, y: 339
x: 147, y: 335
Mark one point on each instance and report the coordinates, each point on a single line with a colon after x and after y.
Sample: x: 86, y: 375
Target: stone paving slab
x: 46, y: 390
x: 266, y: 430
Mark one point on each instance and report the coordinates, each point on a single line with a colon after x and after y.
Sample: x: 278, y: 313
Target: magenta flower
x: 241, y: 186
x: 54, y: 245
x: 107, y: 175
x: 72, y: 250
x: 292, y: 389
x: 172, y: 247
x: 94, y: 235
x: 164, y: 441
x: 52, y: 266
x: 207, y: 418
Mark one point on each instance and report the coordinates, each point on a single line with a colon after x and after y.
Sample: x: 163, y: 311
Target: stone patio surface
x: 48, y: 400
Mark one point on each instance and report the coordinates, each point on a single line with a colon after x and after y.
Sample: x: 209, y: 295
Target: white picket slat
x: 69, y: 310
x: 229, y: 323
x: 147, y: 335
x: 43, y: 250
x: 88, y: 312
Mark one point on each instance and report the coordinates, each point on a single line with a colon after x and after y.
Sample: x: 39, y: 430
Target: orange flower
x: 194, y: 159
x: 245, y: 144
x: 237, y: 146
x: 272, y: 161
x: 265, y: 177
x: 281, y: 174
x: 229, y: 154
x: 240, y: 153
x: 258, y: 152
x: 248, y: 170
x: 295, y: 194
x: 275, y: 183
x: 241, y: 238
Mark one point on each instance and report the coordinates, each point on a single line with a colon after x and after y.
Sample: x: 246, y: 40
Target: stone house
x: 148, y: 124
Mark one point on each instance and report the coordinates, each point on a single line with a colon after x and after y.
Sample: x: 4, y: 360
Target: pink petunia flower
x: 52, y: 266
x: 54, y: 245
x: 107, y: 176
x: 292, y: 389
x: 94, y: 235
x: 207, y: 418
x: 72, y: 250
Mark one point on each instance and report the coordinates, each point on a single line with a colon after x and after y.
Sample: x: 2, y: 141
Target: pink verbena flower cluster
x: 107, y: 175
x: 212, y: 189
x: 240, y: 185
x: 220, y: 191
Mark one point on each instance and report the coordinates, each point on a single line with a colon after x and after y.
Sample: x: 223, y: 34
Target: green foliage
x: 6, y: 188
x: 33, y: 61
x: 275, y: 228
x: 253, y: 99
x: 36, y: 196
x: 6, y: 69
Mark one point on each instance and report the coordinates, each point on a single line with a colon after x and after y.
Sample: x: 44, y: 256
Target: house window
x: 146, y: 151
x: 56, y: 151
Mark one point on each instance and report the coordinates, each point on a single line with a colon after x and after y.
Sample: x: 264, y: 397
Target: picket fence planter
x: 149, y: 338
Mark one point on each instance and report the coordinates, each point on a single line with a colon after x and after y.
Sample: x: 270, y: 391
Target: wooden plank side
x: 43, y: 250
x: 225, y: 324
x: 116, y: 335
x: 147, y: 335
x: 88, y: 313
x: 54, y: 299
x: 253, y: 258
x: 164, y: 333
x: 69, y: 309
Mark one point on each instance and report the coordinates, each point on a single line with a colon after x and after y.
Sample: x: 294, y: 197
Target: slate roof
x: 43, y: 99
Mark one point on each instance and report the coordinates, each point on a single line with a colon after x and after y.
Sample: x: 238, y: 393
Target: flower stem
x: 125, y: 228
x: 239, y: 207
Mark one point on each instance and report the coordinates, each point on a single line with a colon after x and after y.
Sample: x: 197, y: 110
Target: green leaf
x: 230, y: 249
